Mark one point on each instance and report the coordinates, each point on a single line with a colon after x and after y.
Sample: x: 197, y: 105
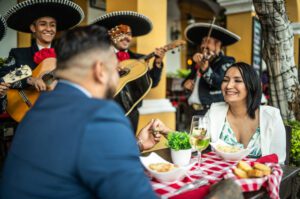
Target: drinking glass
x: 199, y: 138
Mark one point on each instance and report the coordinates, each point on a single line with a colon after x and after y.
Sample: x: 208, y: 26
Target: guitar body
x: 133, y: 85
x: 16, y: 107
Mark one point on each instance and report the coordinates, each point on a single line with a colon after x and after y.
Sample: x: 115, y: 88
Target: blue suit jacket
x: 72, y: 146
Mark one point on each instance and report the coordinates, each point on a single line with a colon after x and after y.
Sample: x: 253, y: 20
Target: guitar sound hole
x: 124, y: 72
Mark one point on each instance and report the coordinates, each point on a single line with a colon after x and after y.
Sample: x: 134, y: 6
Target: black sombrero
x: 2, y: 27
x: 139, y: 24
x: 66, y: 13
x: 195, y: 33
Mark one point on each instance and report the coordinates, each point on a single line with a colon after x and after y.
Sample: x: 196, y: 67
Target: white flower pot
x: 181, y: 157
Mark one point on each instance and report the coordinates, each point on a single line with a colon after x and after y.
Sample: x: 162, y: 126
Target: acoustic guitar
x: 135, y: 83
x: 20, y: 101
x: 18, y: 74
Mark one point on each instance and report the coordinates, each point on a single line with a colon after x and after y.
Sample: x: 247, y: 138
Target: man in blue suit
x: 75, y: 143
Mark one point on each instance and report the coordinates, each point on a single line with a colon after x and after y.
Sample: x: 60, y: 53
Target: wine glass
x: 199, y: 138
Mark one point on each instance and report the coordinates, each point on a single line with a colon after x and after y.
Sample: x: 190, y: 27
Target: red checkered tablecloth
x: 215, y: 169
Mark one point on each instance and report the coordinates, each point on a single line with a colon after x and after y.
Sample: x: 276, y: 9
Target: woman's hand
x: 159, y: 127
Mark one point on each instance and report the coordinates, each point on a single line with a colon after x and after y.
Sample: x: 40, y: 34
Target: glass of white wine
x: 199, y: 138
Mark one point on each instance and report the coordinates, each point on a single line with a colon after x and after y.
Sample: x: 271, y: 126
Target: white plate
x: 242, y: 153
x: 166, y: 177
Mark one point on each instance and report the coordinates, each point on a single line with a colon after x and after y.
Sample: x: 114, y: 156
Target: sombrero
x: 2, y: 27
x: 197, y: 31
x: 139, y: 24
x: 66, y: 13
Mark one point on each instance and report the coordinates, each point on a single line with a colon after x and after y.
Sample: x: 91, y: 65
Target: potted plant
x: 295, y: 142
x: 295, y: 150
x: 181, y: 150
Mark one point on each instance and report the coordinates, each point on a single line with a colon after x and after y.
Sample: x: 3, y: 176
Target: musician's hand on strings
x: 3, y: 89
x: 119, y: 67
x: 159, y: 55
x: 200, y: 60
x: 38, y: 83
x: 189, y: 84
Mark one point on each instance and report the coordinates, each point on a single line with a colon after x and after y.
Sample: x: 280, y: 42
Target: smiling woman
x: 241, y: 120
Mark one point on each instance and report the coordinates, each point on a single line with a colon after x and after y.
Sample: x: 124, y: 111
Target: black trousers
x: 134, y: 119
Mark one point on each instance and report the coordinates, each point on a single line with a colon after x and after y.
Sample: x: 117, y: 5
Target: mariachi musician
x: 131, y: 24
x: 45, y: 18
x: 210, y: 65
x: 3, y: 86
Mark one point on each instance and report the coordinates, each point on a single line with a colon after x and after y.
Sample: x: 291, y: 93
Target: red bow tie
x: 45, y: 53
x: 121, y: 55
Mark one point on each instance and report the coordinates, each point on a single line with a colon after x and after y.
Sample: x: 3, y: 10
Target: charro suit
x: 155, y: 75
x: 68, y: 146
x: 16, y: 58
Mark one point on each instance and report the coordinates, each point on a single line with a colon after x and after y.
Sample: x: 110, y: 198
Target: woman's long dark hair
x: 253, y: 86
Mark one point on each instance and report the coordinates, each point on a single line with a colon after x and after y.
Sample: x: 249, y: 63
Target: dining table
x: 287, y: 184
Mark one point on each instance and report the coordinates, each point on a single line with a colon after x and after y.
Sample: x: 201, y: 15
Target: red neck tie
x: 122, y: 55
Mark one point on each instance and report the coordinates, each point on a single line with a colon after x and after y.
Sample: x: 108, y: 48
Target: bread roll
x: 264, y: 168
x: 244, y: 166
x: 255, y: 173
x: 240, y: 173
x: 161, y: 167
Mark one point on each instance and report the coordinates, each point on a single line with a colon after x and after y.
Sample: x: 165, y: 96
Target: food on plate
x: 264, y: 168
x: 244, y: 170
x: 161, y: 167
x: 228, y: 149
x: 244, y: 166
x: 240, y: 173
x: 255, y: 173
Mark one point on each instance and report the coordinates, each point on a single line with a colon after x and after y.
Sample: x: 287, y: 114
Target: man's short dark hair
x: 253, y: 86
x: 80, y: 40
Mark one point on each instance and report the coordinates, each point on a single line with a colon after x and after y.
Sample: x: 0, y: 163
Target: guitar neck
x: 147, y: 57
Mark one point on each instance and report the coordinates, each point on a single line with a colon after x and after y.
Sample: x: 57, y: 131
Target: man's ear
x: 32, y: 28
x: 99, y: 72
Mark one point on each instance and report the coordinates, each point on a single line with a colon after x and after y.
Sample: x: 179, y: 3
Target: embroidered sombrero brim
x: 2, y: 27
x: 196, y: 32
x: 139, y: 24
x: 66, y: 13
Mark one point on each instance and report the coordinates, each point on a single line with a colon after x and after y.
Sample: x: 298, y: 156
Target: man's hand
x: 159, y: 55
x: 3, y: 89
x: 189, y: 84
x: 147, y: 138
x: 38, y: 83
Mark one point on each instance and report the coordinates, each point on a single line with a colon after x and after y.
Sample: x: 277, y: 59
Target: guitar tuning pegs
x: 18, y: 72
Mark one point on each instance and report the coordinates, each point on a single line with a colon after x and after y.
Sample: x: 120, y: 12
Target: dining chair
x: 288, y: 130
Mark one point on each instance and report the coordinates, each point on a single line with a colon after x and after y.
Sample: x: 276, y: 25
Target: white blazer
x: 272, y: 131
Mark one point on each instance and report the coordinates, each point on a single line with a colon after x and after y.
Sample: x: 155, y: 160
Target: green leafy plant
x: 178, y: 140
x: 2, y: 61
x: 295, y: 142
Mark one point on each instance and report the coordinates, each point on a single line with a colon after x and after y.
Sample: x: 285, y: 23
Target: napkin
x: 272, y: 158
x: 200, y: 192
